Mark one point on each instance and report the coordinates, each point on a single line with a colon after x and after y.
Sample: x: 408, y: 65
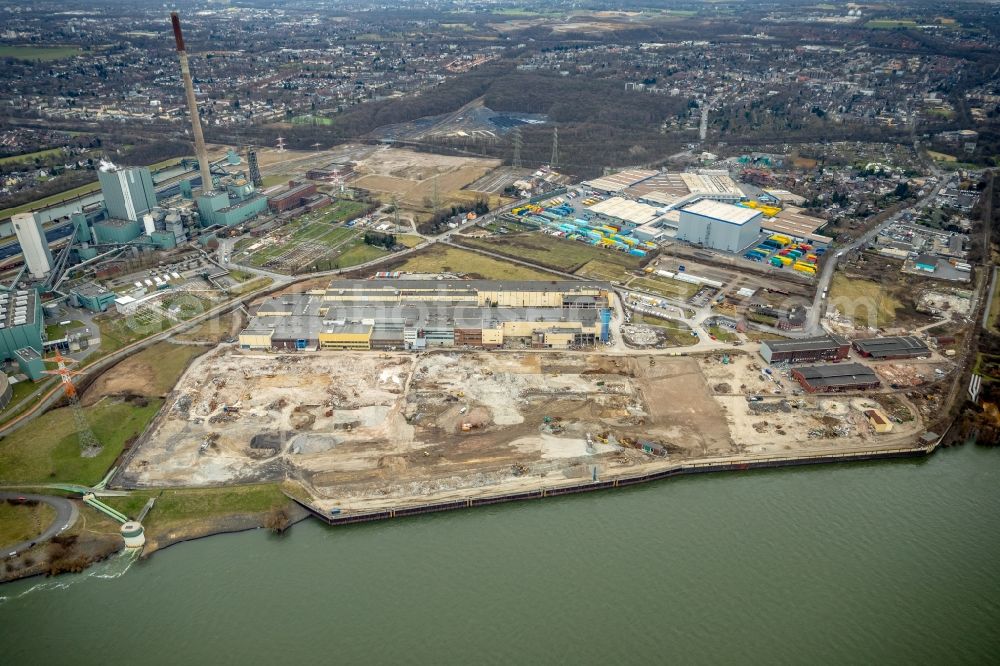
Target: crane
x: 89, y: 445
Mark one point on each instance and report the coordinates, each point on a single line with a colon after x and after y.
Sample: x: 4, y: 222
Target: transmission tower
x: 517, y: 148
x: 435, y: 202
x: 255, y: 176
x: 555, y: 148
x: 89, y: 445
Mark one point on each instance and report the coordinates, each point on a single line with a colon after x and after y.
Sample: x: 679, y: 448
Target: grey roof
x: 818, y: 343
x: 891, y: 346
x: 837, y: 374
x: 417, y: 315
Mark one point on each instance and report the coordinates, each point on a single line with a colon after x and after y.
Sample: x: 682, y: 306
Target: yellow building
x: 346, y: 336
x: 256, y: 338
x: 878, y: 421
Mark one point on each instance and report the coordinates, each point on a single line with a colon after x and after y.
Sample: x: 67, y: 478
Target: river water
x: 893, y: 562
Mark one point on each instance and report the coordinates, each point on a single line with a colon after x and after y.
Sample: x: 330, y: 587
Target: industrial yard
x: 383, y: 429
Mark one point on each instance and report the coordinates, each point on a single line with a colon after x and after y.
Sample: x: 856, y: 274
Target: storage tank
x: 148, y: 225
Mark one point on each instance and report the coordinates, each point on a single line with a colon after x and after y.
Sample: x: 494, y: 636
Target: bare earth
x: 369, y: 430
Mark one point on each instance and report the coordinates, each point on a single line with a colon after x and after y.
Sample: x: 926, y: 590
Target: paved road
x: 66, y: 515
x: 831, y: 258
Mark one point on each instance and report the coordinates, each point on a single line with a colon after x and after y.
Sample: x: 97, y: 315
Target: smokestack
x: 199, y: 138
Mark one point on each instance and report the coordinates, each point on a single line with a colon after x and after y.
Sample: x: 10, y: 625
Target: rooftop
x: 625, y: 209
x: 722, y: 211
x: 818, y: 343
x: 621, y: 180
x: 889, y: 346
x: 834, y: 375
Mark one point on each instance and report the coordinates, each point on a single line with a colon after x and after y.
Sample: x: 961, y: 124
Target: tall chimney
x: 199, y: 138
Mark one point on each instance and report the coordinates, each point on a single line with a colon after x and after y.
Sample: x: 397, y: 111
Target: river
x: 892, y: 562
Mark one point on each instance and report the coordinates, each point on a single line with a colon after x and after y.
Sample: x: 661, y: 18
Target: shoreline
x: 235, y: 523
x: 621, y: 481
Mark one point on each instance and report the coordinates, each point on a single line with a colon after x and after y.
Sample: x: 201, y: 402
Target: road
x: 66, y: 515
x: 830, y: 260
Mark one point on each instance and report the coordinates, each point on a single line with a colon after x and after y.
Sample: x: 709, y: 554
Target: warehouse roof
x: 414, y: 315
x: 892, y: 346
x: 818, y: 343
x: 626, y: 209
x: 795, y: 222
x: 722, y: 211
x: 621, y: 180
x: 837, y: 375
x: 711, y: 184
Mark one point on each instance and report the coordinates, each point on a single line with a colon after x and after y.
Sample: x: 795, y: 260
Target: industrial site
x: 384, y: 327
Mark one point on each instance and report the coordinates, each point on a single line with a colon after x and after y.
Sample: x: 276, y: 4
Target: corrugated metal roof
x: 722, y: 211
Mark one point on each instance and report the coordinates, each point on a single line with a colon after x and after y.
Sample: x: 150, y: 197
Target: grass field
x: 19, y: 522
x: 186, y: 504
x: 48, y: 450
x: 561, y: 254
x: 341, y: 210
x: 942, y: 157
x: 28, y: 157
x: 889, y: 24
x: 271, y: 181
x: 51, y: 200
x: 665, y: 287
x: 56, y: 331
x: 409, y: 240
x: 311, y: 120
x: 863, y: 301
x: 723, y: 334
x: 441, y: 259
x: 599, y: 269
x: 38, y: 52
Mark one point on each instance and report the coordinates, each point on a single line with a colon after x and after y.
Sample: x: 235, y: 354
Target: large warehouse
x: 718, y: 225
x: 906, y: 346
x: 820, y: 348
x: 417, y: 314
x: 836, y: 378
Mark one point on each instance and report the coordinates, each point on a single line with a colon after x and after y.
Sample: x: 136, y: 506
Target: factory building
x: 836, y: 378
x: 117, y: 230
x: 128, y: 191
x: 295, y: 196
x: 22, y: 328
x: 92, y: 296
x: 821, y: 348
x: 718, y: 225
x: 906, y: 346
x: 421, y: 314
x: 235, y: 204
x: 34, y: 245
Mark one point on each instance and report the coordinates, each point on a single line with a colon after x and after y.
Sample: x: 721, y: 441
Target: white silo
x: 34, y: 245
x: 148, y: 224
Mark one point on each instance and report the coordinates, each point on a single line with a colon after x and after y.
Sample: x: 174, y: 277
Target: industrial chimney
x: 199, y: 138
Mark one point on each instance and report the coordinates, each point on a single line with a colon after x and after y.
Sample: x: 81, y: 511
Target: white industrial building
x: 623, y: 212
x: 34, y: 245
x: 718, y: 225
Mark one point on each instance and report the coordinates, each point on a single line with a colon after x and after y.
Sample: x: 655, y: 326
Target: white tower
x: 34, y: 246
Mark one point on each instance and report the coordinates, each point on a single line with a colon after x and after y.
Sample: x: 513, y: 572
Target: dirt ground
x: 369, y: 430
x: 412, y: 176
x: 785, y: 419
x: 373, y: 426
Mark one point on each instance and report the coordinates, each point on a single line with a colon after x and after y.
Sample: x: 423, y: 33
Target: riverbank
x: 516, y: 490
